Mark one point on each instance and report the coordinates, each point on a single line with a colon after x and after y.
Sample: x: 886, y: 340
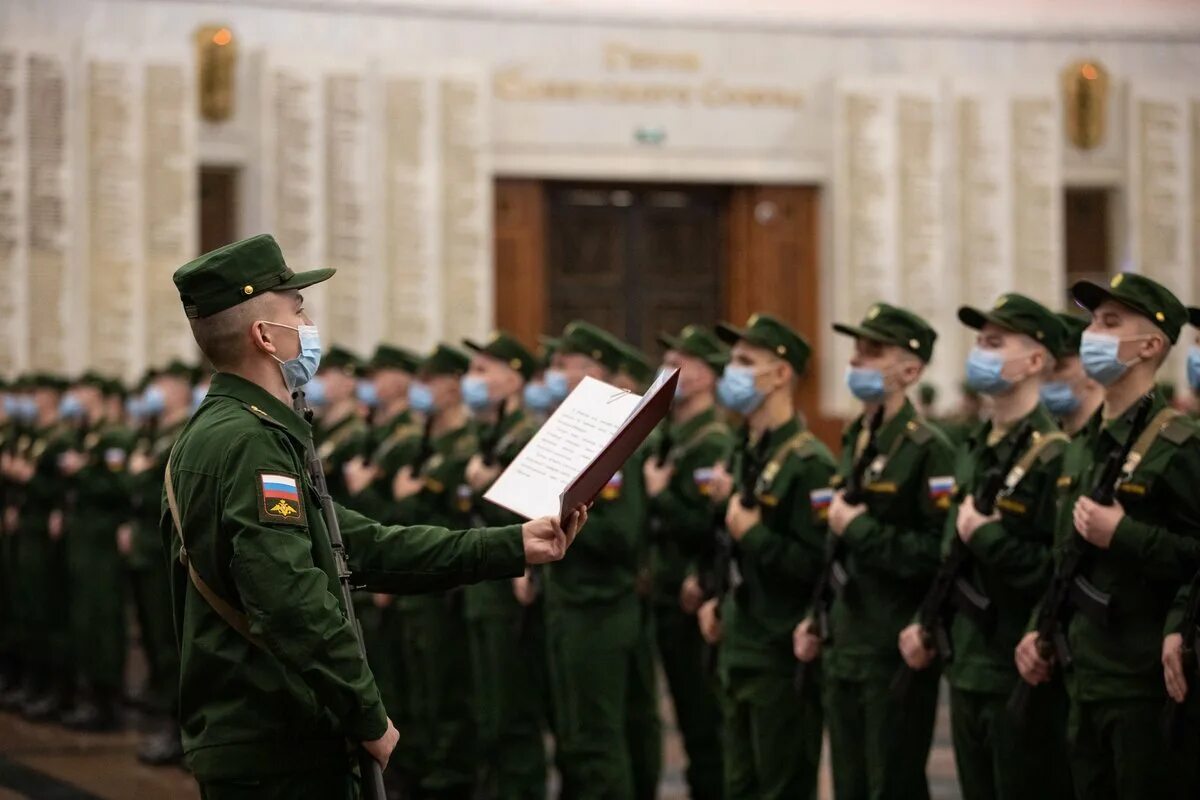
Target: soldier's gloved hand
x: 479, y: 475
x: 970, y: 520
x: 1172, y: 661
x: 404, y: 485
x: 720, y: 485
x: 358, y: 475
x: 691, y: 594
x: 1033, y: 668
x: 710, y: 621
x: 1096, y: 523
x: 525, y: 590
x: 381, y: 748
x: 657, y: 476
x: 806, y: 645
x: 841, y: 513
x: 913, y: 649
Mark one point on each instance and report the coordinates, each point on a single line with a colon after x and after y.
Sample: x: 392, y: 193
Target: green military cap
x: 114, y: 388
x: 891, y: 325
x: 444, y: 360
x: 548, y: 346
x: 586, y: 339
x: 505, y: 347
x: 1149, y: 298
x: 233, y: 274
x: 1075, y: 326
x: 44, y: 380
x: 1020, y: 314
x: 390, y: 356
x: 700, y: 343
x: 177, y: 369
x: 93, y: 379
x: 340, y: 358
x: 763, y: 330
x: 635, y: 364
x: 1194, y: 315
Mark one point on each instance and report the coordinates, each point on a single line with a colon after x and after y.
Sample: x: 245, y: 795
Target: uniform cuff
x: 755, y: 538
x: 1128, y: 537
x: 369, y: 725
x: 985, y: 538
x: 503, y: 553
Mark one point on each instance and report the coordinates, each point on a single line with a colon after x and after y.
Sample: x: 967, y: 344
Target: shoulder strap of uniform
x: 1041, y: 446
x: 401, y: 433
x: 798, y: 444
x: 711, y: 427
x: 235, y: 619
x: 1161, y: 421
x: 513, y: 434
x: 919, y: 431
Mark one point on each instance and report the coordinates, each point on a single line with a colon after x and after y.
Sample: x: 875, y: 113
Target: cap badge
x: 1117, y: 279
x: 247, y: 289
x: 873, y: 313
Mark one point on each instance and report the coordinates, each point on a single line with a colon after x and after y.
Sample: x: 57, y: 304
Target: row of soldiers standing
x: 81, y: 467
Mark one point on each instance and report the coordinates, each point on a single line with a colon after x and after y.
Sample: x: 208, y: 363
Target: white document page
x: 571, y: 439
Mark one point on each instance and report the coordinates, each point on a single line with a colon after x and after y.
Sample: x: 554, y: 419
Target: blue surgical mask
x: 1100, y: 354
x: 1193, y: 368
x: 365, y: 392
x: 1059, y: 398
x: 985, y: 370
x: 198, y: 395
x: 420, y: 398
x: 314, y: 393
x: 153, y: 401
x: 12, y: 406
x: 475, y: 393
x: 538, y: 398
x: 556, y: 382
x: 135, y: 409
x: 300, y: 370
x: 866, y: 384
x: 736, y: 390
x: 69, y: 408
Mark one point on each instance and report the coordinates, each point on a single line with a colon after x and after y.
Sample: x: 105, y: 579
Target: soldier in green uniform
x: 368, y: 480
x: 42, y: 593
x: 504, y: 618
x: 1010, y: 560
x: 678, y: 474
x: 594, y: 617
x: 339, y: 429
x: 1142, y: 549
x: 1070, y: 395
x: 435, y: 663
x: 888, y: 542
x: 272, y: 682
x: 772, y: 735
x: 94, y: 472
x: 166, y: 406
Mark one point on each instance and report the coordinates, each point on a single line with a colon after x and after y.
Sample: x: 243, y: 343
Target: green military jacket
x: 256, y: 535
x: 337, y: 444
x: 101, y: 488
x: 495, y: 598
x: 1155, y: 551
x: 1011, y: 561
x: 780, y: 558
x: 892, y: 550
x: 145, y: 493
x: 43, y: 447
x: 394, y: 444
x: 603, y: 566
x: 682, y: 520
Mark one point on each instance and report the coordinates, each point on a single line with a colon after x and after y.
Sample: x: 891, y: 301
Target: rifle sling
x: 234, y: 618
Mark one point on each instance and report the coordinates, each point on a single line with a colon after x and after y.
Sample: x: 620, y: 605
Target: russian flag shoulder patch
x: 280, y: 498
x: 941, y: 488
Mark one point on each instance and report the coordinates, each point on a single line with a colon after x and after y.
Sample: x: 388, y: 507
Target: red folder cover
x: 650, y: 411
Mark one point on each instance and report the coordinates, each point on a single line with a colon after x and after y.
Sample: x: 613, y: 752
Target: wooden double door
x: 640, y: 259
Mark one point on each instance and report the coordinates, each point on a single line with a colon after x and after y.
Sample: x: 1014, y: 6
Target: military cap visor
x: 390, y: 357
x: 444, y: 360
x: 689, y: 346
x: 895, y: 326
x: 237, y: 272
x: 582, y: 338
x: 1194, y: 315
x: 508, y: 351
x: 1144, y: 296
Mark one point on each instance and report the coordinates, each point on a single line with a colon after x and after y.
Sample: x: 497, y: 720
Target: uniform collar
x: 896, y: 426
x: 259, y: 400
x: 784, y: 432
x: 1120, y: 428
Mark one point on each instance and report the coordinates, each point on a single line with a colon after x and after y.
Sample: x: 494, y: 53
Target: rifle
x: 1173, y: 712
x: 492, y: 442
x: 725, y: 572
x: 372, y: 775
x: 834, y: 578
x: 952, y: 591
x: 1069, y: 589
x: 425, y: 450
